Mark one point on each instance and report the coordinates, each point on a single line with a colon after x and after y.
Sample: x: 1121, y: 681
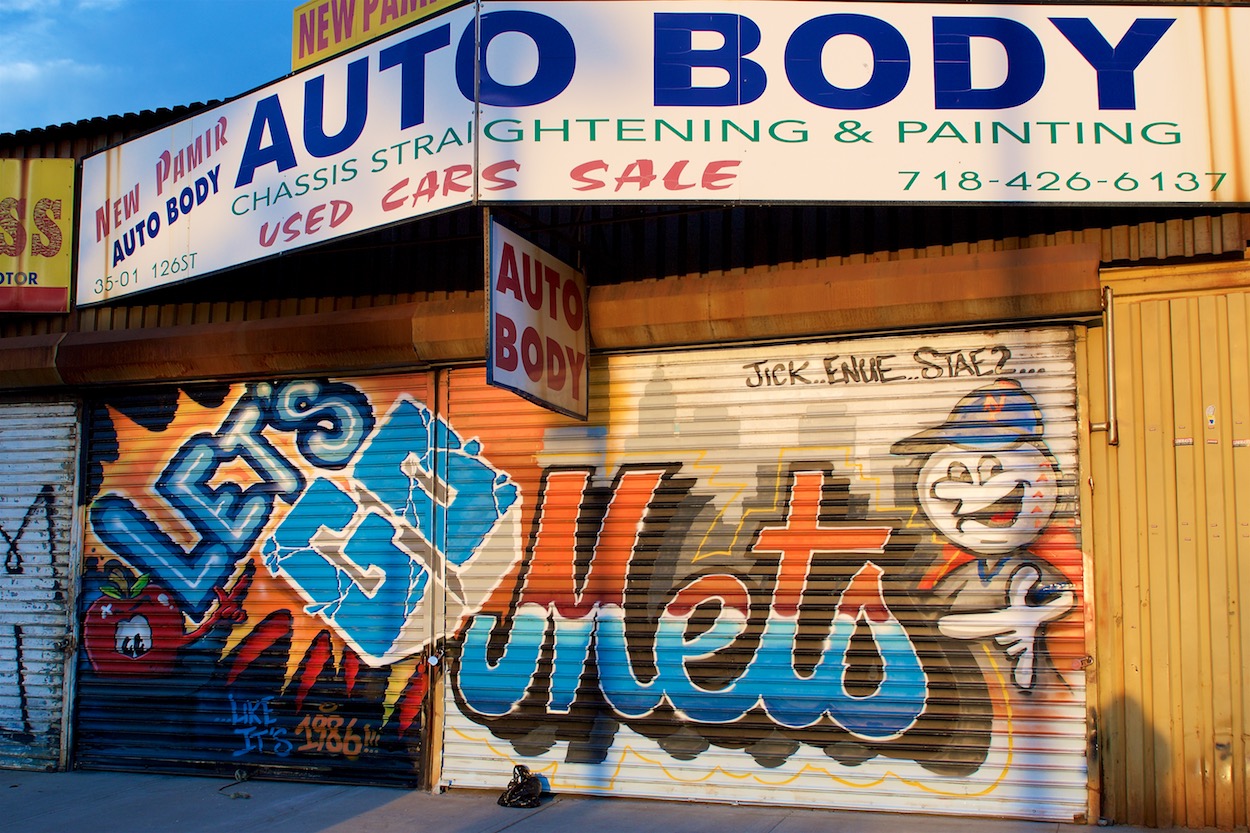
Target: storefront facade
x: 875, y: 507
x: 702, y: 579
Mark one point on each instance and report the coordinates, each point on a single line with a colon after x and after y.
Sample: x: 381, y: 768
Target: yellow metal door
x: 1171, y: 549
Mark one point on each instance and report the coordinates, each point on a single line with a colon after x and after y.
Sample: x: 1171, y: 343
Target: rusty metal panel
x: 838, y: 574
x: 622, y: 244
x: 1050, y: 283
x: 259, y: 578
x: 1174, y: 498
x: 38, y: 465
x: 362, y: 341
x: 688, y: 244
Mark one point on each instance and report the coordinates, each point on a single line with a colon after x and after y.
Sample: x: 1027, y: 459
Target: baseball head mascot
x: 989, y: 486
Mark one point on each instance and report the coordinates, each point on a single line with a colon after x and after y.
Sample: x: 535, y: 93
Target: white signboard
x: 688, y: 101
x: 379, y: 135
x: 868, y: 102
x: 539, y: 332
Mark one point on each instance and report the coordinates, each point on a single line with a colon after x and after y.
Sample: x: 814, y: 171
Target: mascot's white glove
x: 1015, y: 626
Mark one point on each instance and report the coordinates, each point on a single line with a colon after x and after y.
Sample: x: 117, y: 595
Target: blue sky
x: 66, y: 60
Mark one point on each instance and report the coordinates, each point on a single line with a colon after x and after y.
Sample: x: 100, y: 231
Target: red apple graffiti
x: 135, y: 629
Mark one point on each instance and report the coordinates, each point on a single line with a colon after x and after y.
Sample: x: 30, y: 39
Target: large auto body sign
x: 683, y: 101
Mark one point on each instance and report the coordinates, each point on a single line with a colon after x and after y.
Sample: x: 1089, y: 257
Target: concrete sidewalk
x: 107, y: 802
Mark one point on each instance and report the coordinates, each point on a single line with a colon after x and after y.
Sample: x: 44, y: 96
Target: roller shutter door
x: 842, y: 574
x: 38, y: 464
x: 258, y: 579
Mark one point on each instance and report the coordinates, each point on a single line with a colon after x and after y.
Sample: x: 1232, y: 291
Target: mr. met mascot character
x: 989, y: 486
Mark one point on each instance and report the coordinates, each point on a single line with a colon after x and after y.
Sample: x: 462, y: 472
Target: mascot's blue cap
x: 995, y: 416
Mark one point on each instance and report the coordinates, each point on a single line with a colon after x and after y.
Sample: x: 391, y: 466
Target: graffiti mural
x: 38, y: 453
x: 989, y: 487
x: 29, y: 539
x: 261, y: 564
x: 840, y: 574
x: 802, y: 579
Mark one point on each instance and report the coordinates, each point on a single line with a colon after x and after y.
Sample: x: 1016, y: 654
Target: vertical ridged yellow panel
x: 1107, y: 761
x: 1155, y: 556
x: 1239, y: 574
x: 1171, y: 510
x: 1229, y: 370
x: 1186, y: 648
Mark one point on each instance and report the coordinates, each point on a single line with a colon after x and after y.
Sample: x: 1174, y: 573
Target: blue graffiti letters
x: 436, y: 483
x: 363, y: 583
x: 583, y: 621
x: 254, y: 722
x: 330, y: 420
x: 364, y: 556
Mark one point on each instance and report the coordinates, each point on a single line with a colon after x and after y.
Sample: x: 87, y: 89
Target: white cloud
x: 74, y: 59
x: 46, y: 74
x: 19, y: 29
x: 48, y: 81
x: 23, y: 6
x: 100, y: 5
x: 40, y: 93
x: 19, y: 72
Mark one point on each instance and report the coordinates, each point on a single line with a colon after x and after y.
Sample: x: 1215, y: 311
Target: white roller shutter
x: 38, y: 465
x: 843, y: 574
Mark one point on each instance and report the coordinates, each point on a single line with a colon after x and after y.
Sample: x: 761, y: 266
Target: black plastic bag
x: 524, y: 790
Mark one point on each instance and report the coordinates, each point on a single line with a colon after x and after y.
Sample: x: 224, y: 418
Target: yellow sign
x: 36, y: 217
x: 327, y: 27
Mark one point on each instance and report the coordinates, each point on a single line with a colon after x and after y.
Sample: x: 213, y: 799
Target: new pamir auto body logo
x: 365, y: 551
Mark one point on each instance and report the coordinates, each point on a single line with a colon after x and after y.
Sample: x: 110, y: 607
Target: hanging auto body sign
x: 688, y: 101
x: 539, y: 330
